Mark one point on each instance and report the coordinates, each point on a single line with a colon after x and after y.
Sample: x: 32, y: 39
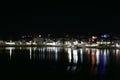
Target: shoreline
x: 99, y: 47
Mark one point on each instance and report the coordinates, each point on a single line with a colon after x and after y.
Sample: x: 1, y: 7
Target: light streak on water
x: 97, y: 56
x: 69, y: 55
x: 56, y: 54
x: 93, y: 57
x: 105, y: 56
x: 10, y: 50
x: 81, y: 55
x: 75, y: 56
x: 30, y: 51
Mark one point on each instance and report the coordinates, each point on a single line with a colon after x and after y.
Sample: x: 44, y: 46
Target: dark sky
x: 60, y: 17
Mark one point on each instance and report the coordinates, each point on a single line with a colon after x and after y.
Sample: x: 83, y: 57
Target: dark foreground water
x: 59, y: 63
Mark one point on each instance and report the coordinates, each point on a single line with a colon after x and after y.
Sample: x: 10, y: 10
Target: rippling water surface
x: 60, y: 63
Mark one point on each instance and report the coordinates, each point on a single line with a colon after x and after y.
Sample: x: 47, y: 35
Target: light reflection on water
x: 97, y: 56
x: 96, y: 59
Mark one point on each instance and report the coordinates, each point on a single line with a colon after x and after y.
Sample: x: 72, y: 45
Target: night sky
x: 59, y: 18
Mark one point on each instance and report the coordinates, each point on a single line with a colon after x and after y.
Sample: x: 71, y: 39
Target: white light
x: 10, y: 49
x: 30, y: 49
x: 117, y: 51
x: 75, y: 56
x: 81, y: 55
x: 34, y: 43
x: 105, y: 57
x: 94, y: 37
x: 75, y: 43
x: 82, y: 42
x: 117, y: 45
x: 97, y: 56
x: 10, y: 43
x: 51, y: 43
x: 69, y: 54
x: 28, y: 43
x: 56, y: 54
x: 92, y: 45
x: 39, y: 35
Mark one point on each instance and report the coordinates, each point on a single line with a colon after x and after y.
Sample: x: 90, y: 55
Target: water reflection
x: 10, y: 50
x: 69, y: 54
x: 30, y: 49
x: 75, y: 56
x: 96, y: 59
x: 93, y: 61
x: 102, y: 62
x: 81, y: 55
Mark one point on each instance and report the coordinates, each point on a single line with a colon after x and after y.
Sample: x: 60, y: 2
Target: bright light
x: 10, y: 43
x: 34, y: 43
x: 68, y: 43
x: 117, y: 51
x: 30, y: 49
x: 97, y: 56
x: 104, y: 36
x: 39, y: 35
x: 56, y: 54
x: 94, y: 37
x: 81, y: 55
x: 92, y: 45
x: 75, y: 56
x: 10, y: 49
x: 69, y: 55
x: 105, y: 57
x: 51, y: 43
x: 117, y: 45
x: 75, y: 43
x: 28, y: 43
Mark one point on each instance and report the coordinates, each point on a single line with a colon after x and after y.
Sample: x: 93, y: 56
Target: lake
x: 59, y: 63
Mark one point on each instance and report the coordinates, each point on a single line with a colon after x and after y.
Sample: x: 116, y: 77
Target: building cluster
x: 89, y: 41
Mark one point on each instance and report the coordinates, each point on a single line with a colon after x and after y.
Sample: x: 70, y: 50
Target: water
x: 60, y: 63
